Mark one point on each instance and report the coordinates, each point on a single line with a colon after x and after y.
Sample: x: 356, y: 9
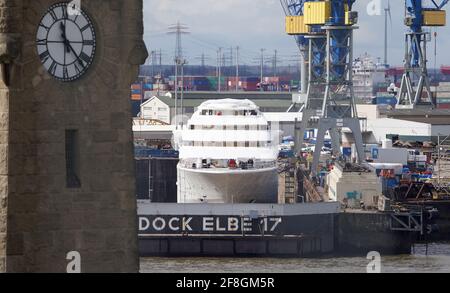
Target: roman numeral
x: 52, y: 69
x: 44, y: 56
x: 85, y: 27
x: 44, y: 26
x: 53, y: 15
x: 64, y: 12
x: 85, y: 57
x: 65, y: 72
x: 77, y: 69
x: 88, y: 42
x: 42, y: 42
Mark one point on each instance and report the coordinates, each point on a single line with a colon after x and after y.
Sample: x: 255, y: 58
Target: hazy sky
x: 255, y: 24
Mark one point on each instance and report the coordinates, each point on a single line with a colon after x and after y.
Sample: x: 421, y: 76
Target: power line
x: 219, y: 68
x: 178, y: 30
x: 262, y: 69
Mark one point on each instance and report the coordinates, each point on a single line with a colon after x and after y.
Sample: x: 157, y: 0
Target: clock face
x: 66, y: 42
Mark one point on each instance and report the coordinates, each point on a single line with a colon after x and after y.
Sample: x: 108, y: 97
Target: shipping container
x: 136, y: 92
x: 443, y: 100
x: 443, y: 106
x: 250, y: 79
x: 384, y: 101
x: 317, y: 12
x: 148, y: 86
x: 434, y: 18
x: 295, y: 25
x: 136, y: 97
x: 136, y: 86
x: 347, y: 152
x: 135, y: 108
x: 445, y: 70
x: 250, y: 86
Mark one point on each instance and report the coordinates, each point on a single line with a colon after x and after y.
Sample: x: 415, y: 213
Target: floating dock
x: 265, y: 230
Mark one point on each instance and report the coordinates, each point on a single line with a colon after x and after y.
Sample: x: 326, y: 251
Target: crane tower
x: 419, y: 15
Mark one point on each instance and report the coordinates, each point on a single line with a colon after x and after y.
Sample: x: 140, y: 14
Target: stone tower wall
x: 41, y: 220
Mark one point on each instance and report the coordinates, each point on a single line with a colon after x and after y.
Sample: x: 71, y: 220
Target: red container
x: 136, y: 97
x: 395, y: 71
x: 443, y: 106
x: 136, y: 86
x: 445, y: 70
x: 250, y: 86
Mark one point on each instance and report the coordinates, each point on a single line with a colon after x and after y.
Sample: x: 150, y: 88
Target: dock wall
x: 302, y: 230
x: 361, y: 233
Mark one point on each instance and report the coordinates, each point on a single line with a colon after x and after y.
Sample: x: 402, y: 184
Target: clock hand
x: 75, y: 53
x: 63, y: 28
x: 68, y: 45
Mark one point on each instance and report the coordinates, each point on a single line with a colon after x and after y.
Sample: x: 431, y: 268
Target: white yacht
x: 228, y: 154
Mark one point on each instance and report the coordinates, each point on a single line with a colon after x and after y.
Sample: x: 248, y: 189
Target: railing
x: 192, y: 164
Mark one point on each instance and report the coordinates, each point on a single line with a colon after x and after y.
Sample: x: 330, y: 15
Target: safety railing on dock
x: 411, y: 218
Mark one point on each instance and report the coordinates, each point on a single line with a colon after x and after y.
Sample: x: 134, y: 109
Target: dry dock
x: 259, y: 230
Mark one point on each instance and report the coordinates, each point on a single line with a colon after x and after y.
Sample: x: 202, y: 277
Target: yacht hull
x: 227, y: 186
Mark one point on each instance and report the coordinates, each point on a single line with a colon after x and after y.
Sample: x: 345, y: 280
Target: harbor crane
x: 330, y: 105
x: 419, y: 14
x: 292, y: 9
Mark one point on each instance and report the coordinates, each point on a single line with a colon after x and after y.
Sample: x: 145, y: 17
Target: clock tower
x: 67, y: 198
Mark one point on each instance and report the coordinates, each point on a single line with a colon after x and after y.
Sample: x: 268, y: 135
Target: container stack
x: 443, y: 95
x: 250, y: 83
x: 136, y: 92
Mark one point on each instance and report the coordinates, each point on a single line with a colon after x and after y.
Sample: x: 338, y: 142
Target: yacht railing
x: 238, y: 165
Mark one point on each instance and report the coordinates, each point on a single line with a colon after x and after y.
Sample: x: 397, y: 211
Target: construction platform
x: 260, y: 230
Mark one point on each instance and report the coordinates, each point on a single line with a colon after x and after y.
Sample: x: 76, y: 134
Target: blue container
x: 347, y: 152
x: 135, y: 92
x: 392, y: 182
x: 375, y: 153
x: 148, y: 86
x: 392, y: 101
x: 286, y: 154
x: 135, y: 108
